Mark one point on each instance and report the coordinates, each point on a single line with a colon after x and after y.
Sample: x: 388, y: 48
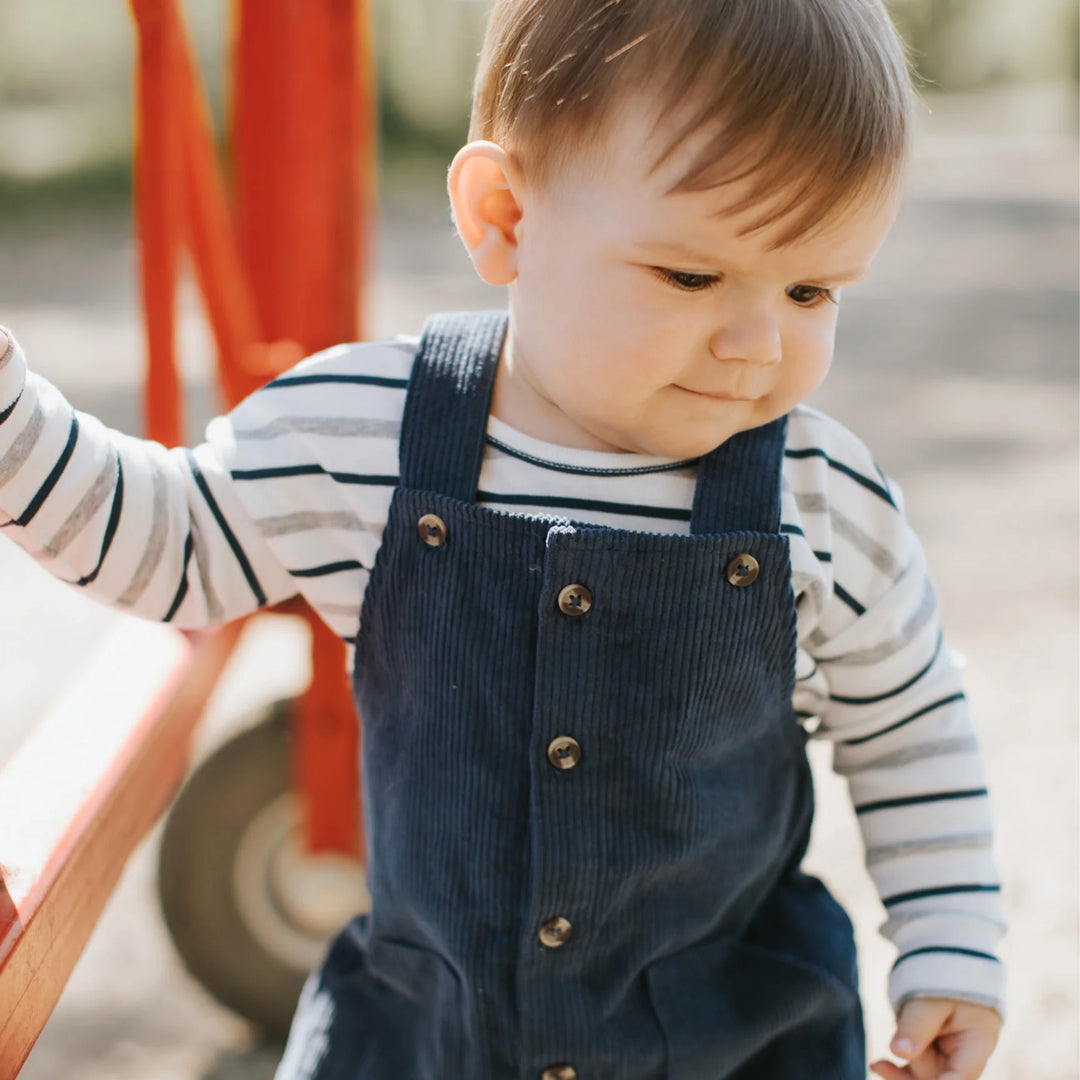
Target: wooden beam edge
x: 40, y: 947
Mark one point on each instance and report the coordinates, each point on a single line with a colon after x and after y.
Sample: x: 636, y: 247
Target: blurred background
x: 957, y: 361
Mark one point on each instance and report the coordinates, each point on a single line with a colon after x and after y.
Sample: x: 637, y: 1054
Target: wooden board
x: 78, y: 796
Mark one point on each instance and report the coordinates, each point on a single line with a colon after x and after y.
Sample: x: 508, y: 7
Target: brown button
x: 742, y: 570
x: 559, y: 1072
x: 575, y: 600
x: 564, y: 752
x: 432, y: 530
x: 555, y: 932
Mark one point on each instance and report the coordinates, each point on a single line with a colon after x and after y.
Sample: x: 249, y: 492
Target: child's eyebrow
x: 677, y: 250
x: 847, y: 276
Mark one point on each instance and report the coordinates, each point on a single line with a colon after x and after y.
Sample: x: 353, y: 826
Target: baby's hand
x: 941, y: 1039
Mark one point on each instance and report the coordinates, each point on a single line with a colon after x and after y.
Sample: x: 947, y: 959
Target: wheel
x: 249, y: 911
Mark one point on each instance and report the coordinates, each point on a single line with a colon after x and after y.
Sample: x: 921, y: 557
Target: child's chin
x: 694, y: 444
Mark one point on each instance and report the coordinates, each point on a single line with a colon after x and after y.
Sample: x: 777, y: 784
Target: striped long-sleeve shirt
x: 290, y: 494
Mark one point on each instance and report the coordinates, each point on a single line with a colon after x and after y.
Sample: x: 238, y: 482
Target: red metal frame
x: 283, y: 281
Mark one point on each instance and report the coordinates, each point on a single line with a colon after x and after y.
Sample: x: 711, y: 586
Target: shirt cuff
x: 948, y: 957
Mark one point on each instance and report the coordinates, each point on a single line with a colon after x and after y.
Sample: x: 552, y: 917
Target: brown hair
x: 810, y: 98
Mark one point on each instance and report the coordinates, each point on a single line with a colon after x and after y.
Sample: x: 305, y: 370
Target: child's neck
x: 523, y: 407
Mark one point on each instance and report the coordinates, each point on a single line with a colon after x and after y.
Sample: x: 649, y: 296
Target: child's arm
x: 289, y: 494
x: 875, y: 670
x: 149, y: 530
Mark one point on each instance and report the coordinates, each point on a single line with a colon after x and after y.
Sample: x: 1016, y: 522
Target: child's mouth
x: 716, y: 395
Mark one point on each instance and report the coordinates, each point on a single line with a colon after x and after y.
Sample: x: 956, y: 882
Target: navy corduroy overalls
x: 586, y: 793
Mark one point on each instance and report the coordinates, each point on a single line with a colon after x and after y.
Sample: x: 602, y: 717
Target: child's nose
x: 752, y: 337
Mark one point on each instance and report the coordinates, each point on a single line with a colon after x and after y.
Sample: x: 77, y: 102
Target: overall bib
x: 586, y: 793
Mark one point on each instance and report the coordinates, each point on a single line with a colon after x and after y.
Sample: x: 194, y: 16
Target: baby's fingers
x: 967, y: 1061
x: 919, y: 1024
x: 890, y: 1071
x: 941, y: 1040
x: 925, y: 1067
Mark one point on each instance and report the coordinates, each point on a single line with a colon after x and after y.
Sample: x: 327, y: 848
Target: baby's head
x: 675, y: 190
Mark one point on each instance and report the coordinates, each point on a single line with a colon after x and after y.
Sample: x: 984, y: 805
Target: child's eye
x: 810, y: 295
x: 684, y: 280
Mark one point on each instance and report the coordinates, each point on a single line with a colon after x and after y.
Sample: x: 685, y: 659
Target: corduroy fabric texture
x: 697, y: 949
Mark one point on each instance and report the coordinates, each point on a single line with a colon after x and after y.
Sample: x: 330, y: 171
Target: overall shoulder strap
x: 446, y: 410
x: 738, y: 485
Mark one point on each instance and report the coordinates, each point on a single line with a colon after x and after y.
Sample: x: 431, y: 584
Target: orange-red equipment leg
x: 158, y: 164
x: 303, y: 162
x: 304, y: 157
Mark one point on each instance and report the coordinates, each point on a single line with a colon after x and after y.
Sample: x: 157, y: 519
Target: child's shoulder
x: 810, y: 429
x: 391, y: 358
x: 850, y: 541
x: 357, y: 387
x: 343, y: 376
x: 821, y: 449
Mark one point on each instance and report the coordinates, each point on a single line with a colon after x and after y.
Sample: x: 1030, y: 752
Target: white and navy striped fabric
x: 290, y: 494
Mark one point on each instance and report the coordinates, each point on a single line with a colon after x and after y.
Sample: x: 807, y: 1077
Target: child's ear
x: 484, y: 190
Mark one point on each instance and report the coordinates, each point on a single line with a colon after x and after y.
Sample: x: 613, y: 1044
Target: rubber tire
x: 199, y: 845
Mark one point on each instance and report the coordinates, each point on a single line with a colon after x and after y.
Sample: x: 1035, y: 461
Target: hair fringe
x: 811, y: 98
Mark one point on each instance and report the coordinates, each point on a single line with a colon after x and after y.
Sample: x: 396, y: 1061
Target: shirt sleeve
x: 159, y: 533
x: 886, y: 689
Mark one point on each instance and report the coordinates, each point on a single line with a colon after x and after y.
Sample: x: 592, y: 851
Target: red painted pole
x: 289, y: 272
x: 158, y: 162
x: 304, y: 163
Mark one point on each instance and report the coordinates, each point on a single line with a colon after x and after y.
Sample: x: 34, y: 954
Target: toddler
x: 600, y: 573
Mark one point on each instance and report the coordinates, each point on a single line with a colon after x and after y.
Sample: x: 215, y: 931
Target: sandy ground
x: 956, y: 361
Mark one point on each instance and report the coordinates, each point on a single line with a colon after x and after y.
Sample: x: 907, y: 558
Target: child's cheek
x: 811, y: 364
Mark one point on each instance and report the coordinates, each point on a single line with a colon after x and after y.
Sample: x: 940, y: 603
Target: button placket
x: 553, y: 930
